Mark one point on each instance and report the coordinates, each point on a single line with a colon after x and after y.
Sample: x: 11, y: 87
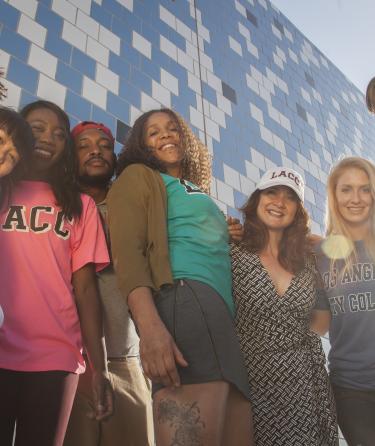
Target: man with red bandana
x: 131, y: 423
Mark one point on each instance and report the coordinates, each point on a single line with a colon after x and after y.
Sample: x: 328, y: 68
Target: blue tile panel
x: 308, y: 113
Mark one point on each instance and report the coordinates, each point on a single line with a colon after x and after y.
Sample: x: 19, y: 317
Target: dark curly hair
x: 14, y: 125
x: 294, y: 246
x: 64, y: 174
x: 196, y: 165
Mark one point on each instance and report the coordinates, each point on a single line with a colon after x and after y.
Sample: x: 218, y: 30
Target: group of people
x: 146, y: 281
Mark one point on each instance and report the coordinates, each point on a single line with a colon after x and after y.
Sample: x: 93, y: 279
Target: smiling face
x: 277, y: 207
x: 96, y: 158
x: 353, y: 197
x: 162, y: 136
x: 50, y: 138
x: 9, y: 156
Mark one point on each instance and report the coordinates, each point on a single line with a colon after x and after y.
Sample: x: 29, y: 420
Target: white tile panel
x: 212, y: 129
x: 327, y: 156
x: 284, y: 121
x: 252, y: 171
x: 184, y: 30
x: 161, y: 94
x: 148, y: 103
x: 28, y: 7
x: 97, y: 51
x: 169, y: 48
x: 64, y: 9
x: 214, y: 82
x: 311, y: 120
x: 266, y: 135
x: 74, y: 36
x: 293, y: 56
x: 213, y: 191
x: 42, y: 61
x: 196, y: 118
x: 231, y: 177
x: 256, y: 113
x: 269, y: 164
x: 317, y: 96
x: 236, y: 46
x: 287, y: 162
x: 141, y: 44
x: 31, y: 30
x: 306, y: 95
x: 263, y: 3
x: 278, y: 61
x: 244, y: 31
x: 288, y: 34
x: 281, y: 54
x: 109, y: 40
x: 247, y: 186
x: 313, y: 169
x: 257, y: 159
x: 169, y: 81
x: 83, y: 5
x: 185, y: 60
x: 241, y: 9
x: 87, y: 24
x: 127, y: 3
x: 256, y: 74
x: 192, y: 51
x: 134, y: 114
x: 252, y: 84
x: 167, y: 17
x: 224, y: 104
x: 278, y: 143
x: 51, y: 90
x: 265, y: 94
x: 217, y: 116
x: 94, y: 92
x: 207, y: 62
x: 107, y: 78
x: 336, y: 105
x: 268, y: 85
x: 225, y: 193
x: 203, y: 32
x: 359, y: 117
x: 315, y: 158
x: 13, y: 94
x: 302, y: 161
x: 319, y: 137
x: 276, y: 32
x: 252, y: 49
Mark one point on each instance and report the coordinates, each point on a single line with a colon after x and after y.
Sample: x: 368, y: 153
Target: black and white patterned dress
x: 290, y: 392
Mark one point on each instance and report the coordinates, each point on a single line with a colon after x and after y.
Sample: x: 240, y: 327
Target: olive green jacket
x: 137, y: 214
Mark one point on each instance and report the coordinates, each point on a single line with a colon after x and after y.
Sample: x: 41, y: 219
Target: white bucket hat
x: 283, y: 176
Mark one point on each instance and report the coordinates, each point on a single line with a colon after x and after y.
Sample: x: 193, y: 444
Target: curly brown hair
x: 3, y: 90
x: 294, y: 246
x: 196, y: 166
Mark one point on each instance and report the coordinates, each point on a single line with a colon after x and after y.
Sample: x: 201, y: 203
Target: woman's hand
x: 103, y: 396
x: 159, y: 353
x: 160, y: 356
x: 235, y: 229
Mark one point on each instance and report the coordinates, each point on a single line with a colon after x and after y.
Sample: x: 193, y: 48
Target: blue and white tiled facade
x: 252, y: 86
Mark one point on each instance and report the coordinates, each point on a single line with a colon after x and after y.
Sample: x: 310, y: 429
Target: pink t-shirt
x: 39, y: 251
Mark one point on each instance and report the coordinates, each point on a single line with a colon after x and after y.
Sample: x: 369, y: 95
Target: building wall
x: 252, y: 86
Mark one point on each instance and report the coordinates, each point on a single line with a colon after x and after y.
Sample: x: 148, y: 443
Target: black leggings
x: 38, y: 403
x: 356, y: 415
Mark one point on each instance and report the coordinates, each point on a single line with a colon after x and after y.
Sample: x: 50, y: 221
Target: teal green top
x: 198, y: 238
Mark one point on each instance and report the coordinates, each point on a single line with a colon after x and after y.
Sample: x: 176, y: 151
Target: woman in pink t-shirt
x: 51, y: 243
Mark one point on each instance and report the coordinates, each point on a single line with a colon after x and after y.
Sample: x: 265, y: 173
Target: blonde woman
x: 346, y: 306
x: 170, y: 250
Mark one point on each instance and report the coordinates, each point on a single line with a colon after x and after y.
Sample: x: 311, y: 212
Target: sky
x: 343, y: 30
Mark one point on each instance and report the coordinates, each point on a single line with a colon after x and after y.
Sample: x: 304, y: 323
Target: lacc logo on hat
x: 283, y: 176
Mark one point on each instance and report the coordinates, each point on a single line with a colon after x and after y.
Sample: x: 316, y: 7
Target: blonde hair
x: 196, y: 166
x: 335, y: 223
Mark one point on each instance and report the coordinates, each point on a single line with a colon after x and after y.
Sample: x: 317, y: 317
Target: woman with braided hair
x: 171, y: 255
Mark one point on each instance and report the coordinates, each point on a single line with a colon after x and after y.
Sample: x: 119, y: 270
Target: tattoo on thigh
x: 185, y: 419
